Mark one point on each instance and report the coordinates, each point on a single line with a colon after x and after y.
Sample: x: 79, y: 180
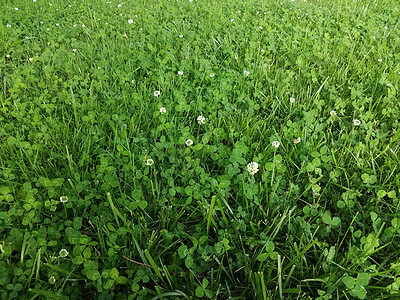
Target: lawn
x: 176, y: 149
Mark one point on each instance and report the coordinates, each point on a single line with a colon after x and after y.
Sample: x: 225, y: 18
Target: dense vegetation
x: 184, y: 149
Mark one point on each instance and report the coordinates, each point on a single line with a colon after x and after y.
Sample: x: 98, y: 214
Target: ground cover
x: 199, y: 149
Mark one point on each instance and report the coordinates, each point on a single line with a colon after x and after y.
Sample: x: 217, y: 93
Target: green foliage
x: 176, y: 149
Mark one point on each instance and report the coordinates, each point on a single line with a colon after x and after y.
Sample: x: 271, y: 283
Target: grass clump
x: 173, y: 149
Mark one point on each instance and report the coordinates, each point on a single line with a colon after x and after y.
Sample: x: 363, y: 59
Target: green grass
x: 90, y: 164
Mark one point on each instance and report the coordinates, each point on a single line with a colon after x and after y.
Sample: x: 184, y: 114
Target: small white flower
x: 149, y: 162
x: 34, y: 0
x: 380, y: 59
x: 236, y: 57
x: 252, y: 168
x: 130, y: 21
x: 180, y: 72
x: 30, y: 58
x: 262, y: 50
x: 212, y: 74
x: 181, y: 35
x: 16, y: 8
x: 356, y: 122
x: 74, y: 50
x: 163, y: 110
x: 157, y: 93
x: 246, y: 73
x: 296, y: 141
x: 333, y: 113
x: 63, y: 253
x: 52, y: 279
x: 260, y: 27
x: 74, y: 25
x: 7, y: 55
x: 232, y: 20
x: 70, y: 5
x: 389, y: 84
x: 63, y: 199
x: 275, y: 144
x: 189, y: 143
x: 8, y: 26
x: 83, y: 25
x: 201, y: 120
x: 57, y: 24
x: 119, y: 5
x: 292, y: 100
x: 106, y: 23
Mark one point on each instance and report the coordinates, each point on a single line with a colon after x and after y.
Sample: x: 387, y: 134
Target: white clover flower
x: 262, y: 50
x: 52, y: 279
x: 34, y: 0
x: 63, y: 253
x: 201, y: 120
x: 63, y: 199
x: 181, y: 35
x: 163, y: 110
x: 275, y: 144
x: 16, y: 8
x: 157, y: 93
x: 149, y: 162
x: 212, y: 75
x: 7, y: 55
x: 356, y: 122
x: 119, y: 5
x: 130, y: 21
x: 333, y: 113
x: 380, y: 59
x: 83, y: 25
x: 292, y: 100
x: 180, y: 72
x: 189, y: 143
x: 246, y: 73
x: 74, y: 25
x: 252, y: 168
x: 260, y: 27
x: 74, y: 50
x: 296, y: 141
x: 30, y: 58
x: 57, y: 24
x: 232, y: 20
